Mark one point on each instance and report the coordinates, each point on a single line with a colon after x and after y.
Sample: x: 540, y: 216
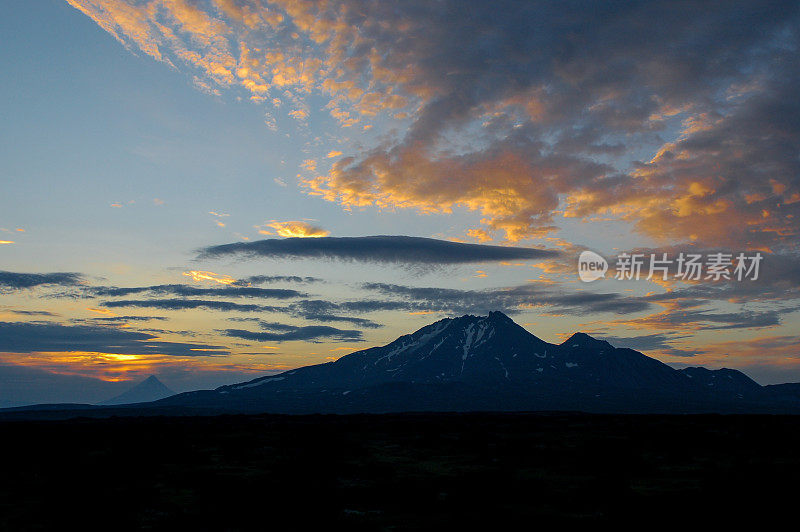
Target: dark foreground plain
x: 396, y: 471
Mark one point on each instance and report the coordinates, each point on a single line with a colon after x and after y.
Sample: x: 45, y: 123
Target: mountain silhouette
x: 469, y: 363
x: 150, y: 389
x: 491, y: 363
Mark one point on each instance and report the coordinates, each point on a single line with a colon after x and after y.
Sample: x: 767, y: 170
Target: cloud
x: 200, y: 275
x: 523, y: 113
x: 278, y: 332
x: 296, y: 230
x: 188, y: 291
x: 659, y: 342
x: 123, y: 319
x: 18, y: 281
x: 18, y: 337
x: 360, y: 322
x: 326, y: 311
x: 702, y: 319
x: 267, y: 279
x: 312, y: 310
x: 778, y: 279
x: 729, y: 180
x: 32, y: 312
x: 555, y: 112
x: 378, y: 249
x: 184, y: 304
x: 511, y: 300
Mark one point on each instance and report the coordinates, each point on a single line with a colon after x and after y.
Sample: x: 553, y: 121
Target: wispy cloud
x: 278, y: 332
x: 191, y: 291
x: 32, y: 312
x: 184, y: 304
x: 125, y: 319
x: 656, y: 342
x: 705, y: 319
x: 17, y: 280
x: 327, y: 311
x: 511, y: 300
x: 266, y: 279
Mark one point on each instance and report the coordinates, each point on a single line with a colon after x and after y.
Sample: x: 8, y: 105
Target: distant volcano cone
x: 150, y: 389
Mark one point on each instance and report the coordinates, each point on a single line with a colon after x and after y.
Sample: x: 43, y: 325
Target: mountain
x: 722, y: 380
x: 150, y: 389
x: 491, y: 363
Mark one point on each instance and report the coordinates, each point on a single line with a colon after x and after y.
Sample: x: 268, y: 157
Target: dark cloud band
x: 184, y: 304
x: 378, y: 249
x: 18, y: 337
x: 190, y: 291
x: 284, y: 333
x: 17, y: 281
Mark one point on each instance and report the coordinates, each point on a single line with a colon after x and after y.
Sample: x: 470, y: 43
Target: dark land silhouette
x: 469, y: 364
x: 397, y: 471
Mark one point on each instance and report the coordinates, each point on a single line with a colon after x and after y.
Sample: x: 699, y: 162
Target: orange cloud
x: 481, y: 235
x: 298, y: 230
x: 199, y: 276
x: 102, y: 311
x: 242, y: 43
x: 502, y: 186
x: 726, y: 177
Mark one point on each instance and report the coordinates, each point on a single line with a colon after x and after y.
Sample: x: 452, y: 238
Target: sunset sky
x: 188, y: 185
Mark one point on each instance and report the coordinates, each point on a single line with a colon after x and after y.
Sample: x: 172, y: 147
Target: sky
x: 214, y: 190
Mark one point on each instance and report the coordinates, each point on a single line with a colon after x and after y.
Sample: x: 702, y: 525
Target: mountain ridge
x: 483, y: 363
x: 492, y: 363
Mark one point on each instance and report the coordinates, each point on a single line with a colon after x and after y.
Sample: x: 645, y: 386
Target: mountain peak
x: 150, y: 389
x: 498, y: 316
x: 495, y: 318
x: 581, y: 339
